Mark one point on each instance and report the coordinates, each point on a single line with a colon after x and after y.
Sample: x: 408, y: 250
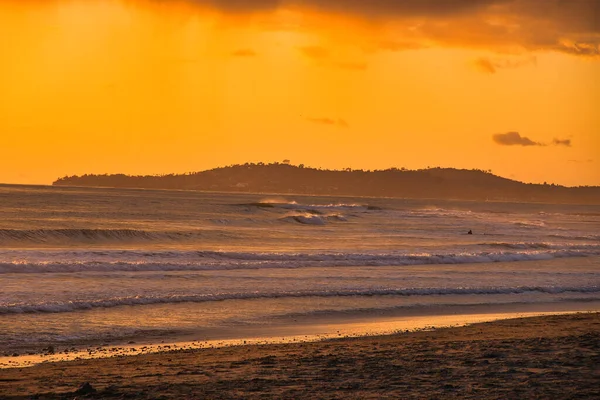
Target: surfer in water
x: 470, y: 232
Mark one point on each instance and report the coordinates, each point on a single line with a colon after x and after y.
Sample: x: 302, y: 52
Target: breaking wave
x: 61, y: 307
x: 529, y: 224
x: 54, y: 236
x: 313, y: 219
x: 577, y: 237
x: 312, y: 208
x: 213, y: 261
x: 542, y: 245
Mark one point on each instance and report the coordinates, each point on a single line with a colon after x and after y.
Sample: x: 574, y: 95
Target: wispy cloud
x: 514, y: 139
x: 492, y: 65
x: 585, y: 49
x: 328, y: 121
x: 589, y: 160
x: 562, y: 142
x: 485, y: 65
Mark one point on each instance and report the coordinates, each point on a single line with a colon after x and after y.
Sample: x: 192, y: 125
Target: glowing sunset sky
x: 147, y: 87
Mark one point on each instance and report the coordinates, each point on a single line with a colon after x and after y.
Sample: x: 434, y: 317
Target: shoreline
x: 297, y: 330
x: 547, y: 356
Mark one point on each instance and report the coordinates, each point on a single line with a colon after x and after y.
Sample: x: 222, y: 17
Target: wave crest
x: 61, y: 307
x: 211, y: 260
x: 54, y: 236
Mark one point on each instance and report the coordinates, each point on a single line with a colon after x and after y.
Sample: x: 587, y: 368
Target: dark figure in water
x: 470, y: 232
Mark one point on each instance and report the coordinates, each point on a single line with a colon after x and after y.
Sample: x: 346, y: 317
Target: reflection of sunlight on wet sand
x: 269, y: 335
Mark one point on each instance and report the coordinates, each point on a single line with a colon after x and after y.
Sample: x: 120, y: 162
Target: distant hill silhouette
x: 445, y: 183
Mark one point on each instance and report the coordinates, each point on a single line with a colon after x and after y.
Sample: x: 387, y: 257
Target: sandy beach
x: 539, y: 357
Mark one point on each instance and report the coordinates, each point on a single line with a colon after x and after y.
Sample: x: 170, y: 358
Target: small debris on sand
x: 84, y: 389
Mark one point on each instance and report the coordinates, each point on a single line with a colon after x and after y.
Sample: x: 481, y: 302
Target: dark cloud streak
x: 492, y: 66
x: 514, y: 139
x: 562, y: 142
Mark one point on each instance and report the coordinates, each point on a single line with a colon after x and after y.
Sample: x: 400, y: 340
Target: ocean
x: 92, y: 266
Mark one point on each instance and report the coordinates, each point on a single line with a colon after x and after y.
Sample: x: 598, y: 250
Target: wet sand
x: 554, y: 356
x: 287, y: 330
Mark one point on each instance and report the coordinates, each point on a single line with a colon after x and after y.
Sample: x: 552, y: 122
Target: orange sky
x: 148, y: 87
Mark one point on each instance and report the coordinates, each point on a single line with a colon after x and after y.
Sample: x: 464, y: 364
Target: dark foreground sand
x: 541, y: 357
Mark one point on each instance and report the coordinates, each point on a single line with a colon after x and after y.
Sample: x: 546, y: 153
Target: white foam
x: 48, y: 262
x: 305, y: 219
x: 62, y: 307
x: 543, y: 245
